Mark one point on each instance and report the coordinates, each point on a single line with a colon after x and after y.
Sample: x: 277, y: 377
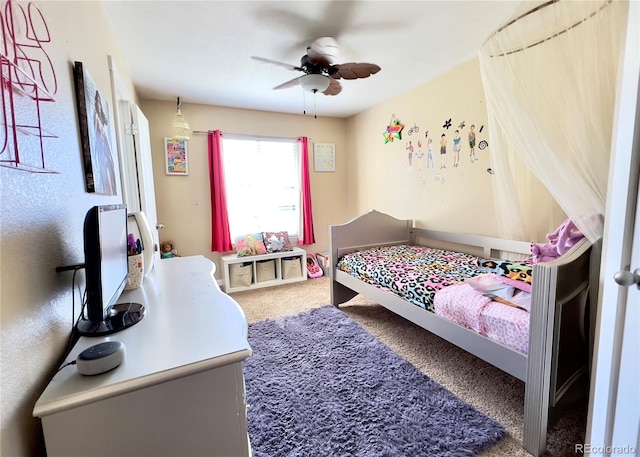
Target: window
x: 263, y: 184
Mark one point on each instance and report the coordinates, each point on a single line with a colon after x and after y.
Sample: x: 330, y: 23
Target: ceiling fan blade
x: 334, y: 87
x: 353, y: 70
x: 323, y: 51
x: 275, y: 62
x: 291, y: 83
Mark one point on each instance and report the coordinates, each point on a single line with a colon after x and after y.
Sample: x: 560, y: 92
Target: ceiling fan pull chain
x: 304, y: 104
x: 315, y: 111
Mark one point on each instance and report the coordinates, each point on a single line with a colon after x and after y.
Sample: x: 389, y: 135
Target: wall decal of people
x: 430, y: 154
x: 443, y: 151
x: 409, y: 149
x: 456, y: 148
x: 472, y: 143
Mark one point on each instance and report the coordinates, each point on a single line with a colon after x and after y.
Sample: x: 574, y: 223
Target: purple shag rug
x: 318, y: 384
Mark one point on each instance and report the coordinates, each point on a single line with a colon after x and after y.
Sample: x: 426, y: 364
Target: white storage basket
x: 240, y: 275
x: 291, y: 268
x: 265, y: 270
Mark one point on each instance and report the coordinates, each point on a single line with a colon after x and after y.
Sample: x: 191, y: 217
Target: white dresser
x: 179, y: 391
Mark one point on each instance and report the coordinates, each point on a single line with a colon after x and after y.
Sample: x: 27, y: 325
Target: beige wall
x: 458, y: 199
x: 183, y: 202
x: 41, y: 218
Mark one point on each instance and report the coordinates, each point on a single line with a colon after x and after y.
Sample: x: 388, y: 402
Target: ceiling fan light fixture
x: 181, y: 129
x: 314, y: 83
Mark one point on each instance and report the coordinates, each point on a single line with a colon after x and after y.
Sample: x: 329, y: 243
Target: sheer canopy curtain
x: 550, y: 81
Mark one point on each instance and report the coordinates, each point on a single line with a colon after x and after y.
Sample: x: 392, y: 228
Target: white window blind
x: 263, y: 185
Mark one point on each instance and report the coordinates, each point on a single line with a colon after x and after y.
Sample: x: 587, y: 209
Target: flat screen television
x: 106, y: 271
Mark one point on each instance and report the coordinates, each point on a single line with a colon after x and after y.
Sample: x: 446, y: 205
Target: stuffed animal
x: 167, y: 250
x: 543, y: 252
x: 560, y: 241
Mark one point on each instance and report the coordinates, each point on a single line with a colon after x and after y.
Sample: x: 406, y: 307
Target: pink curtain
x: 306, y: 236
x: 220, y: 234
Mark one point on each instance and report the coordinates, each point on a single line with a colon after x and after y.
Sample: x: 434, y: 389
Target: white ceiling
x: 201, y: 50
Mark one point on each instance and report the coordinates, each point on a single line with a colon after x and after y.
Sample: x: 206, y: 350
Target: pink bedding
x: 467, y: 307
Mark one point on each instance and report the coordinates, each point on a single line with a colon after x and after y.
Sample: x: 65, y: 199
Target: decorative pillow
x: 519, y: 272
x: 277, y: 241
x: 251, y: 244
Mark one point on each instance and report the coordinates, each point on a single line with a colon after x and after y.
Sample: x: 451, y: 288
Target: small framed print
x: 324, y: 157
x: 176, y: 157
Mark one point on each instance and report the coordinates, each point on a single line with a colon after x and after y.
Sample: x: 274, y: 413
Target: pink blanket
x: 467, y: 307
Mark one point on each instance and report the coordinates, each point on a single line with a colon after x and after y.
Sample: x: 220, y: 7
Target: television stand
x: 179, y: 390
x: 117, y: 317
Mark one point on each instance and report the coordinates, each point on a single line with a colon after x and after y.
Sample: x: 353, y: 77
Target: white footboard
x: 558, y: 338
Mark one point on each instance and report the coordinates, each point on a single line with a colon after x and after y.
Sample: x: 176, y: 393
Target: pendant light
x: 180, y: 125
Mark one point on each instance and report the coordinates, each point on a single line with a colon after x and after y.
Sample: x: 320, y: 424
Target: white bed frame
x: 558, y: 344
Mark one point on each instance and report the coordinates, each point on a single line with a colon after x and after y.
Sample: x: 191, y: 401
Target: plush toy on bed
x: 564, y: 238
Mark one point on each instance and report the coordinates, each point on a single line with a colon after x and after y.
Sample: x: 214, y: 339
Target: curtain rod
x: 279, y: 138
x: 538, y: 8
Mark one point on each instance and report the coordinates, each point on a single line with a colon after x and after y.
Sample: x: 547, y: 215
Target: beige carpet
x: 488, y: 389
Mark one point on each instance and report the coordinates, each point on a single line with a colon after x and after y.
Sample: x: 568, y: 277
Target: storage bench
x: 264, y: 270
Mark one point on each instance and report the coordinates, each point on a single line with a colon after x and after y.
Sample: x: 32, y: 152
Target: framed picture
x: 324, y: 157
x: 95, y: 134
x: 176, y: 158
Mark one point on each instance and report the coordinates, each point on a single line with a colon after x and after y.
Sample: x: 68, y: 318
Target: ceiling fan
x: 321, y: 74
